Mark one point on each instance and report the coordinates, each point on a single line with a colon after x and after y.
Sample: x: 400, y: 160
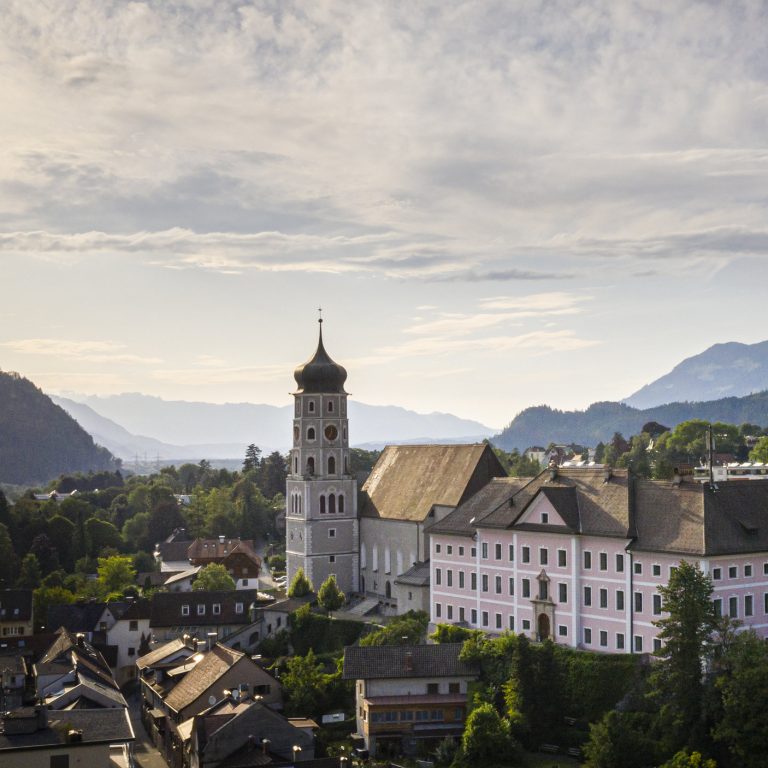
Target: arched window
x: 311, y: 406
x: 311, y: 465
x: 341, y: 503
x: 363, y: 556
x: 311, y: 433
x: 332, y: 503
x: 322, y: 505
x: 299, y: 498
x: 331, y: 465
x: 330, y: 406
x: 295, y: 465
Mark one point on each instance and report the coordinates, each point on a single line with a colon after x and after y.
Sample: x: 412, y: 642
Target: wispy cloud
x: 86, y: 351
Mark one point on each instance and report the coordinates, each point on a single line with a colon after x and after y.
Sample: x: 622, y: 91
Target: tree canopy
x: 214, y: 578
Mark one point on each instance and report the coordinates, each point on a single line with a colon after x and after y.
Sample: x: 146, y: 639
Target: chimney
x: 221, y: 539
x: 80, y: 638
x: 409, y: 661
x: 74, y: 736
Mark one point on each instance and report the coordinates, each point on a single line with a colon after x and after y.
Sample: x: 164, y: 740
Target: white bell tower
x: 322, y: 528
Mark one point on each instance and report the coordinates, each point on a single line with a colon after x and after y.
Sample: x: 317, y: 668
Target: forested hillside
x: 542, y: 425
x: 39, y: 440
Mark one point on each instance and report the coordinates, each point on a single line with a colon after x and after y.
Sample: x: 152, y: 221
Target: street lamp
x: 296, y: 750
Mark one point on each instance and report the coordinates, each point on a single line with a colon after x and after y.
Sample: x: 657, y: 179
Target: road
x: 144, y: 753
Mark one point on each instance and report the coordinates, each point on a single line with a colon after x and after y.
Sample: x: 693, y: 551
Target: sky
x: 496, y: 204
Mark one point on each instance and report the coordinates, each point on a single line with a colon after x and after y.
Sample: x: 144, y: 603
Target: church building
x: 322, y: 526
x: 382, y: 551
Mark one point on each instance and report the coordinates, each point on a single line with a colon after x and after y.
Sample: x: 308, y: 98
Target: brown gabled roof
x: 216, y: 549
x: 394, y: 661
x: 198, y: 680
x: 408, y: 480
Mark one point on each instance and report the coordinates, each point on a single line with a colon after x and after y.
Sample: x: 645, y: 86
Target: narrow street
x: 144, y: 753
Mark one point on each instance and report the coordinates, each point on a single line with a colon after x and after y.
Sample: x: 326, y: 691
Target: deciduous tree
x: 214, y: 578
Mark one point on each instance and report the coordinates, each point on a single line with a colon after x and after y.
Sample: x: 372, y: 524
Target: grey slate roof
x: 489, y: 498
x: 15, y: 604
x: 584, y: 499
x: 398, y: 661
x: 417, y: 575
x: 166, y: 608
x: 98, y: 726
x: 694, y: 519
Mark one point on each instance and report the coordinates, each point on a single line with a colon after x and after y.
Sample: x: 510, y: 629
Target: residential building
x: 130, y: 637
x: 16, y: 620
x: 182, y: 679
x: 236, y: 555
x: 202, y: 614
x: 406, y: 694
x: 35, y: 736
x: 88, y: 617
x: 72, y: 673
x: 577, y: 555
x: 242, y: 730
x: 13, y: 675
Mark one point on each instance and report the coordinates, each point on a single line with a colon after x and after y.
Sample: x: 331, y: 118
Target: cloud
x: 85, y: 351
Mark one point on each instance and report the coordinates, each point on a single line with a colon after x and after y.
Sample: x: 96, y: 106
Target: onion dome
x: 320, y: 374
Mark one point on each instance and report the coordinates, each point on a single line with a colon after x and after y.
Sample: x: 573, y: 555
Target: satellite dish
x: 211, y: 700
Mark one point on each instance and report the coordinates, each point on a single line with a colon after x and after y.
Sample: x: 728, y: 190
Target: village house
x: 183, y: 678
x: 242, y: 730
x: 406, y: 694
x: 129, y: 638
x: 16, y: 620
x: 202, y: 614
x: 35, y: 736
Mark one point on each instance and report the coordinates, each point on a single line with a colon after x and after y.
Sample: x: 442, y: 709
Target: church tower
x: 322, y: 528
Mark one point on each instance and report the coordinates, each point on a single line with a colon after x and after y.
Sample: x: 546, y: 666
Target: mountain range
x: 722, y: 370
x: 135, y: 424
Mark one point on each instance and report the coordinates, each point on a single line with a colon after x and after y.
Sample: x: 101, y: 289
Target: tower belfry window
x: 330, y: 406
x: 331, y: 465
x: 332, y: 503
x: 311, y: 433
x: 311, y: 406
x: 311, y: 465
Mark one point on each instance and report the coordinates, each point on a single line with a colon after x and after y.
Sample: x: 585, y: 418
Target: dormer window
x: 185, y: 610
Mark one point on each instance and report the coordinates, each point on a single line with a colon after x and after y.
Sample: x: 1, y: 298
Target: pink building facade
x: 577, y: 555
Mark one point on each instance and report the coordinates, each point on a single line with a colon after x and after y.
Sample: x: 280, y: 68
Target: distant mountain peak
x: 726, y: 369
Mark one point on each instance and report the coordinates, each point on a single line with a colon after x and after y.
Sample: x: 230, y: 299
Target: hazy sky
x: 497, y: 204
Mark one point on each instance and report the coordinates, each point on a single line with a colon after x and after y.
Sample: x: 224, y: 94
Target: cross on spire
x: 320, y: 315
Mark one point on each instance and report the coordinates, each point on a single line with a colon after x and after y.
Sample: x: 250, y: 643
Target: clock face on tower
x: 331, y: 432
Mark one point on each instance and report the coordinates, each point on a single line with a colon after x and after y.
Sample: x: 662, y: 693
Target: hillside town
x: 358, y: 626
